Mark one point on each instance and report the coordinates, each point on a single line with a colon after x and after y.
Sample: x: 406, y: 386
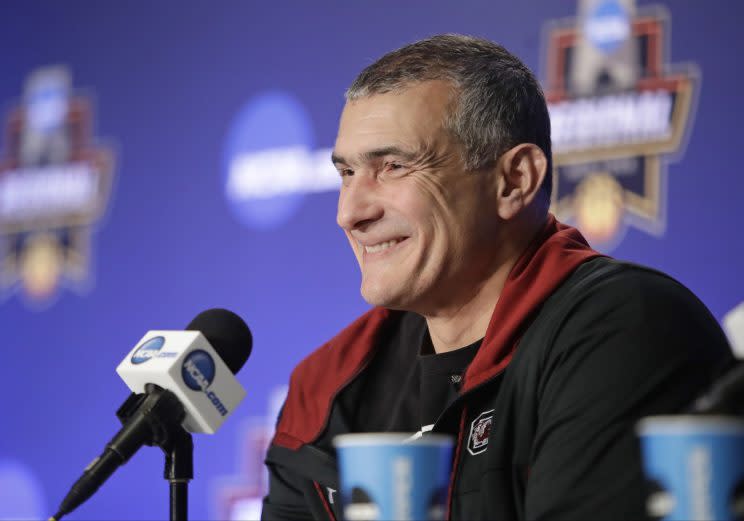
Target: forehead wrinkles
x: 432, y: 156
x: 416, y: 152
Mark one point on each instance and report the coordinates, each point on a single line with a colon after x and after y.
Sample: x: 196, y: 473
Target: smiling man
x: 491, y: 321
x: 417, y: 216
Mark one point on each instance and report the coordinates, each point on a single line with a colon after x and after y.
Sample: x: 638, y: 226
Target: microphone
x: 179, y: 380
x: 726, y: 397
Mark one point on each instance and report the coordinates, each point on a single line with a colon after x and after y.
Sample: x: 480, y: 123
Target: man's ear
x: 520, y: 174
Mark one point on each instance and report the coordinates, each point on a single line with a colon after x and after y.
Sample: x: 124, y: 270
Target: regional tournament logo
x: 55, y: 182
x: 619, y: 112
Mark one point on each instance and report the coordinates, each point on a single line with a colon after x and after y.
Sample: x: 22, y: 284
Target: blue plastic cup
x: 387, y: 476
x: 695, y: 465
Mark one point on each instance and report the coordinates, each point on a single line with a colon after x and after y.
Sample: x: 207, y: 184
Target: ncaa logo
x: 271, y: 163
x: 608, y: 26
x: 480, y: 431
x: 265, y: 151
x: 148, y: 350
x: 198, y: 370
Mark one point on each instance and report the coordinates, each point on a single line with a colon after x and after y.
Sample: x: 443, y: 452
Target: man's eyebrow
x: 336, y: 159
x: 377, y: 153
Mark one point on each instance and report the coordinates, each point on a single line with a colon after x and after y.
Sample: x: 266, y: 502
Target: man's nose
x: 358, y: 203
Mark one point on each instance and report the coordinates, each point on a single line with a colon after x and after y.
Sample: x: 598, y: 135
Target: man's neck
x: 462, y: 323
x: 459, y: 327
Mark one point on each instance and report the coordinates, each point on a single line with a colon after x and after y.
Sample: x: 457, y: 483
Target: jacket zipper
x: 460, y: 433
x: 326, y: 505
x: 455, y: 462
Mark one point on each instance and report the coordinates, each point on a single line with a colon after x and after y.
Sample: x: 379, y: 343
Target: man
x: 491, y: 320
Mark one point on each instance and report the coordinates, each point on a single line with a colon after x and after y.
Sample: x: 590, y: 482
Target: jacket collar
x: 552, y: 256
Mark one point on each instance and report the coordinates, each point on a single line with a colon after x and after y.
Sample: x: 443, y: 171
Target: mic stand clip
x: 177, y: 445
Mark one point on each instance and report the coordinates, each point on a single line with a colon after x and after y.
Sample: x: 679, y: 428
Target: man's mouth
x: 382, y: 246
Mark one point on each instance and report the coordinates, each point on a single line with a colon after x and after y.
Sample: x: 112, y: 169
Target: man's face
x: 420, y: 225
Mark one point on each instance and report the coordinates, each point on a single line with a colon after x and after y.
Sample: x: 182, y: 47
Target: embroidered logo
x: 480, y: 430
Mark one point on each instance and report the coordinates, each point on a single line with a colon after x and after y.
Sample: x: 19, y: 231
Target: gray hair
x: 498, y: 104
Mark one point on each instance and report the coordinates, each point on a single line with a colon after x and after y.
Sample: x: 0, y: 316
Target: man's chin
x: 383, y: 296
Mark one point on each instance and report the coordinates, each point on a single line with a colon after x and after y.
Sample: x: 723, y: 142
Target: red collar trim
x: 551, y: 257
x: 316, y: 380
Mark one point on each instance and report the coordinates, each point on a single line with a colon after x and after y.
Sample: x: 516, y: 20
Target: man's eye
x: 392, y: 167
x: 345, y: 172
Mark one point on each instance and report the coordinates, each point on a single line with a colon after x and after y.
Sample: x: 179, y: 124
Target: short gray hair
x: 498, y: 104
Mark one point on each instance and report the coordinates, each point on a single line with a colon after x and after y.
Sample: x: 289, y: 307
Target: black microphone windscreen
x: 227, y: 333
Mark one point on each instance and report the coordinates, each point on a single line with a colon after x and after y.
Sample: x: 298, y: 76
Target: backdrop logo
x: 21, y: 492
x: 240, y: 496
x: 270, y: 162
x: 54, y: 185
x: 148, y: 350
x: 617, y: 110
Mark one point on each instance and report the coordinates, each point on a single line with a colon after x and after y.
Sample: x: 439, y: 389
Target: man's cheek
x: 357, y: 249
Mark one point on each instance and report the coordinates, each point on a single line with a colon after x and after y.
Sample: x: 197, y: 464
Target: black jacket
x: 550, y: 433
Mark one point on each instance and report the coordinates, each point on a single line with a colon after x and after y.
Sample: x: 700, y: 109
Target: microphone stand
x: 177, y: 444
x: 179, y: 469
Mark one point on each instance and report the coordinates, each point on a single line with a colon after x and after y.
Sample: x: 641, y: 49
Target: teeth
x: 382, y: 246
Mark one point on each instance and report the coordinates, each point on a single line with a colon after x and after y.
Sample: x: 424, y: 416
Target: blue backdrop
x: 179, y: 90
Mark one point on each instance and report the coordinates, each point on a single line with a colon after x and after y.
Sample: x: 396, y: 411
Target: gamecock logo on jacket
x: 480, y: 430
